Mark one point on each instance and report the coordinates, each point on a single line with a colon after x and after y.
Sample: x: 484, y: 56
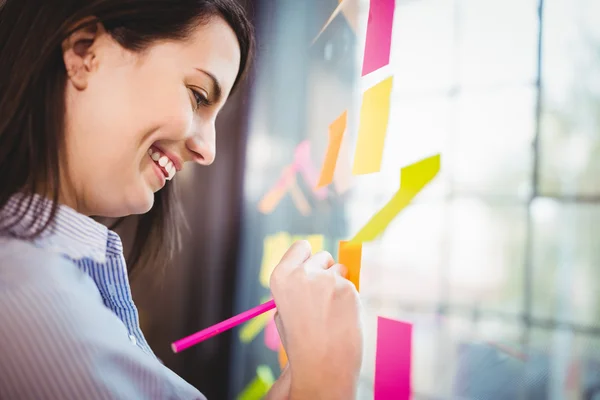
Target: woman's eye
x: 199, y: 98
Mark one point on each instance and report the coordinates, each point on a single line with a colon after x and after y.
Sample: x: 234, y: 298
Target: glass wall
x: 497, y: 261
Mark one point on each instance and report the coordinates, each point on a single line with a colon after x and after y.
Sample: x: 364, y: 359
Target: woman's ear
x: 79, y: 53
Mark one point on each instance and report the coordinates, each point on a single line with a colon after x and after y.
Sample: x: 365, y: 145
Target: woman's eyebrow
x: 216, y: 91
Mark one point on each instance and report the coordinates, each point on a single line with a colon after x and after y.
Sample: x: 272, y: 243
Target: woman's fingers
x: 339, y: 269
x: 321, y: 260
x: 297, y: 254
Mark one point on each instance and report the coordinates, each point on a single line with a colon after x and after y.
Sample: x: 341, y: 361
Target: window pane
x: 491, y: 152
x: 491, y: 53
x: 422, y: 45
x: 404, y: 266
x: 566, y: 260
x: 570, y: 134
x: 485, y: 264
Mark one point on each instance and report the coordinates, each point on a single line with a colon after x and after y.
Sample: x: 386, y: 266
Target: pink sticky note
x: 392, y: 360
x: 272, y: 340
x: 379, y: 35
x: 305, y: 166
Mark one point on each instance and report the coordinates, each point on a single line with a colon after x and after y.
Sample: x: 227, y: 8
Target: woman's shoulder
x: 24, y: 264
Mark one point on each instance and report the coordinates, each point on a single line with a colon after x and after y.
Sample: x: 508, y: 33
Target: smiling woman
x: 102, y: 102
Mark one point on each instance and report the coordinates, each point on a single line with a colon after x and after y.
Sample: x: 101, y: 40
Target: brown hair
x: 33, y: 79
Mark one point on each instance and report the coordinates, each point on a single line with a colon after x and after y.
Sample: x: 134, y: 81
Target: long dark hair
x: 32, y: 84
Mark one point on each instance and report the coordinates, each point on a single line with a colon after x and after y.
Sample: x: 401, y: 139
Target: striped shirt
x: 69, y: 328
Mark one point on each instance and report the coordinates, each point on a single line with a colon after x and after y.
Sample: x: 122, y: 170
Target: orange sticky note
x: 282, y: 357
x: 270, y: 200
x: 413, y: 179
x: 336, y: 133
x: 350, y: 255
x: 374, y: 116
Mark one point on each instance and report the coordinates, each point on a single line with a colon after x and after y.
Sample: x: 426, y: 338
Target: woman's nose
x: 203, y: 148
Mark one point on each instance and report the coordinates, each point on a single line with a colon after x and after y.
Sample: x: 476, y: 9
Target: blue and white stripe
x: 69, y: 328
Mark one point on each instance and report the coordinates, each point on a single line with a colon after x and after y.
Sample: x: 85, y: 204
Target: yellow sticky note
x: 274, y: 247
x: 374, y: 116
x: 350, y: 255
x: 413, y: 179
x: 260, y: 386
x: 253, y: 327
x: 336, y: 133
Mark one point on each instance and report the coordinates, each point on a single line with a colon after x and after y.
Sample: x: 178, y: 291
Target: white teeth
x: 164, y: 162
x: 171, y: 173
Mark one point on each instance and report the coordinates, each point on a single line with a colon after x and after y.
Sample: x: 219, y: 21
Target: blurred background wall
x: 496, y: 263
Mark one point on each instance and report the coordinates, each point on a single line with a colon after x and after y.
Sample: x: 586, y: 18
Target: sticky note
x: 282, y: 357
x: 260, y: 386
x: 350, y: 255
x: 253, y: 327
x: 379, y: 35
x: 272, y: 340
x: 374, y: 116
x: 272, y: 198
x: 413, y: 179
x: 305, y: 166
x: 274, y: 247
x: 299, y: 200
x: 393, y: 360
x: 336, y: 133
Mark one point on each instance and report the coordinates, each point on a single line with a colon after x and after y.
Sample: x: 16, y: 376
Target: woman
x: 102, y: 103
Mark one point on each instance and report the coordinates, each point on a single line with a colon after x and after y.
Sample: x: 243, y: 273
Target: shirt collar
x: 72, y: 234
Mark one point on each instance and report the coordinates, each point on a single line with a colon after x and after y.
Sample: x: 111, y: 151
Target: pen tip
x: 173, y: 347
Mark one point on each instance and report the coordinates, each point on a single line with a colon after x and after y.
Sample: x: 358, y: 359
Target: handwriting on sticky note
x: 393, y: 360
x: 253, y: 327
x: 379, y: 35
x: 413, y: 179
x: 305, y: 166
x: 272, y: 340
x: 336, y: 134
x: 374, y: 116
x: 282, y: 357
x: 272, y: 198
x: 274, y: 247
x: 350, y: 255
x: 260, y: 386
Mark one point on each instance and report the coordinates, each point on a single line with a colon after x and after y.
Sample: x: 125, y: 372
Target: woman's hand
x: 318, y: 318
x: 281, y: 388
